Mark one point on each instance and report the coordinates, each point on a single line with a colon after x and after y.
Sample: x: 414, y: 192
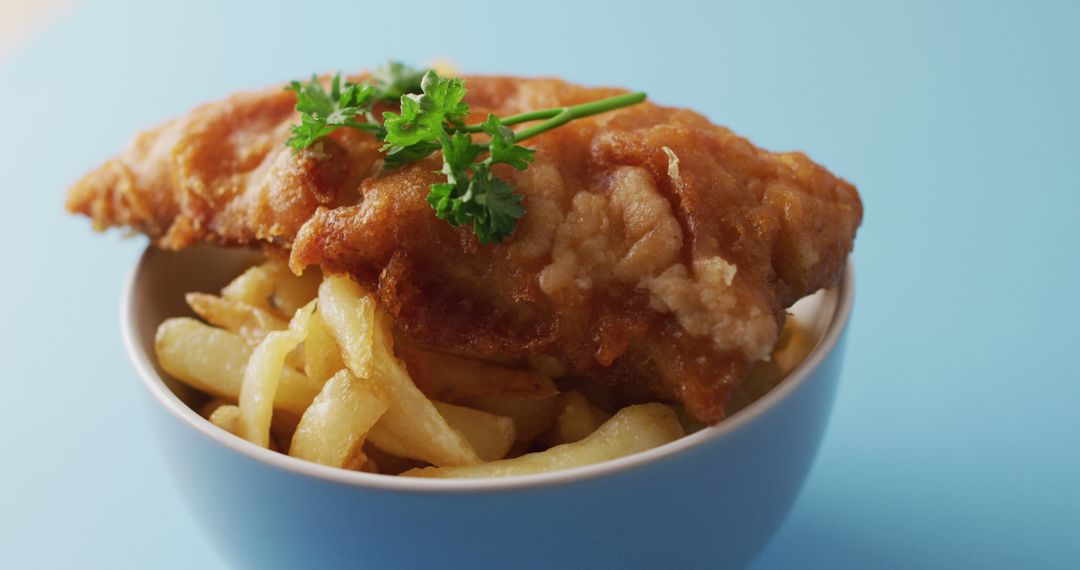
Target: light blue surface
x: 954, y: 442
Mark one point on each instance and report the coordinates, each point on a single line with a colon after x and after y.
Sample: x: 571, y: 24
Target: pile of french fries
x: 308, y: 366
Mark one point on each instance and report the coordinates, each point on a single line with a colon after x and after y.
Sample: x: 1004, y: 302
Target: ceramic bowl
x: 712, y: 499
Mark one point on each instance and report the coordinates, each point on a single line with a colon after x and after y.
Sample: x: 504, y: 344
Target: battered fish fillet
x: 658, y: 249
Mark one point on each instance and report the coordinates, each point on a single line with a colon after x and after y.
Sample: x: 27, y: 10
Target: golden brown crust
x: 657, y: 248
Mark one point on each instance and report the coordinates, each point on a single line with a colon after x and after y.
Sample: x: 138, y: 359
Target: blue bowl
x: 714, y: 498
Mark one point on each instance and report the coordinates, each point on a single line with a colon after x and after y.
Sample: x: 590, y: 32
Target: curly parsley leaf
x: 472, y: 195
x: 499, y: 206
x: 424, y: 117
x: 459, y: 152
x: 397, y: 156
x: 410, y: 126
x: 444, y: 96
x: 322, y: 113
x: 503, y: 149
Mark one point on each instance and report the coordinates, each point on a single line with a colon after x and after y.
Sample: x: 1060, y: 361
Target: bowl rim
x: 154, y: 383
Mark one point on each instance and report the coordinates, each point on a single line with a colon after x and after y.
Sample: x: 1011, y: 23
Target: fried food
x: 214, y: 361
x: 371, y: 415
x: 577, y: 419
x: 262, y: 376
x: 634, y: 429
x: 411, y: 425
x: 333, y: 428
x: 658, y: 249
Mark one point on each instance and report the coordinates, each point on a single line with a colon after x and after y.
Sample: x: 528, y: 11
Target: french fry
x: 364, y: 337
x: 255, y: 286
x: 322, y: 359
x: 359, y: 461
x: 226, y: 417
x: 451, y: 378
x: 793, y: 346
x: 210, y: 406
x: 633, y: 429
x: 576, y: 420
x: 384, y: 440
x: 262, y: 376
x: 292, y: 292
x: 491, y: 436
x: 349, y: 315
x: 532, y: 416
x: 335, y: 425
x: 248, y: 321
x: 213, y: 360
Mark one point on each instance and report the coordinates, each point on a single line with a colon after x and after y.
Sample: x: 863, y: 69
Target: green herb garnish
x: 396, y: 79
x: 322, y: 113
x: 432, y: 118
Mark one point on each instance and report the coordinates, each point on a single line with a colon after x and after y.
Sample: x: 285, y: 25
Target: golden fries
x: 631, y: 430
x: 327, y: 387
x: 292, y: 292
x: 262, y: 375
x: 255, y: 286
x: 213, y: 360
x: 322, y: 359
x: 208, y: 358
x: 793, y: 346
x: 490, y: 435
x: 451, y: 378
x: 226, y: 417
x: 333, y: 428
x: 349, y: 315
x: 210, y: 406
x: 363, y: 334
x: 576, y: 420
x: 248, y: 321
x: 532, y: 416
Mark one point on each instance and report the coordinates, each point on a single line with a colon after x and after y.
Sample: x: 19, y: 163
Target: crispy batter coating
x: 658, y: 248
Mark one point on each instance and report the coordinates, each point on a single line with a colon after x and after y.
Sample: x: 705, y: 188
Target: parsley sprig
x: 322, y: 113
x: 432, y: 118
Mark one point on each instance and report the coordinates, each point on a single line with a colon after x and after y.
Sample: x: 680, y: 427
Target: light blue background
x: 955, y: 440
